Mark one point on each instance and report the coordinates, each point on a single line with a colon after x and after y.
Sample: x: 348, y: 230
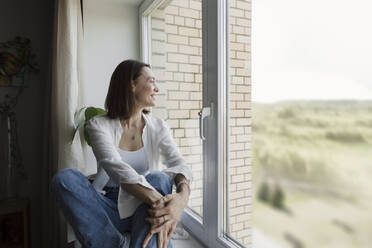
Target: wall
x: 32, y: 19
x: 110, y: 36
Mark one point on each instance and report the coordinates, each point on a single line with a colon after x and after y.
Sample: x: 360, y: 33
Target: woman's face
x: 145, y: 88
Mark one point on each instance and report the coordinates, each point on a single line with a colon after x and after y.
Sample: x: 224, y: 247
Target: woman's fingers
x: 165, y: 239
x: 171, y: 230
x: 162, y: 201
x: 155, y: 227
x: 163, y: 233
x: 159, y: 228
x: 159, y: 203
x: 156, y: 221
x: 160, y: 239
x: 158, y: 212
x: 147, y: 239
x: 168, y: 198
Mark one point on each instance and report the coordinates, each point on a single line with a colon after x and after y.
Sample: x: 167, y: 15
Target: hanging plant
x: 16, y: 61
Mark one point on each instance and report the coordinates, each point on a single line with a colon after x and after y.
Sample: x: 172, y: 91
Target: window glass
x: 311, y: 123
x: 238, y: 218
x: 176, y: 59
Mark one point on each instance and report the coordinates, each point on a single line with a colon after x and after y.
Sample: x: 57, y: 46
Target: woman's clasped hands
x: 163, y: 217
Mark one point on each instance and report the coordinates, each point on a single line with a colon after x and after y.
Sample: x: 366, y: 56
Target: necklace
x: 133, y: 136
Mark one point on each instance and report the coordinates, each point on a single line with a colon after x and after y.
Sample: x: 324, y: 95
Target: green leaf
x: 74, y: 132
x: 76, y: 117
x: 86, y: 136
x: 90, y: 112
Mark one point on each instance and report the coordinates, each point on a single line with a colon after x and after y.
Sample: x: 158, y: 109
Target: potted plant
x: 89, y: 113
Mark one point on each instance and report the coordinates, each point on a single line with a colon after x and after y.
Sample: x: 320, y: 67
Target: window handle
x: 203, y: 113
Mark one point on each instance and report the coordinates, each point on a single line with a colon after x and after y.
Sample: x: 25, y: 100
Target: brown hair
x: 120, y: 100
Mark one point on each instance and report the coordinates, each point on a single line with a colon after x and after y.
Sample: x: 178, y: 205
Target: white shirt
x: 105, y: 134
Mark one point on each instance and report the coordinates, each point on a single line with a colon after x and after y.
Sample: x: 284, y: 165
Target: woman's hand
x: 164, y: 232
x: 164, y: 216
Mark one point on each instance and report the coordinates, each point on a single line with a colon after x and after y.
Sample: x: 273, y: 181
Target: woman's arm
x: 142, y: 193
x: 183, y: 187
x: 152, y: 196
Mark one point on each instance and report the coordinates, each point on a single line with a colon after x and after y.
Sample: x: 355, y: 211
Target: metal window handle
x: 204, y: 112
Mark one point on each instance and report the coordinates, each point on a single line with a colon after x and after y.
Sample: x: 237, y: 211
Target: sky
x: 318, y: 49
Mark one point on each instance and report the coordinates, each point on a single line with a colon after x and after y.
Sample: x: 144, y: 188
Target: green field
x: 318, y: 155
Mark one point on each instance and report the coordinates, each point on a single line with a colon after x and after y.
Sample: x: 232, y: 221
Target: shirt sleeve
x: 109, y: 158
x: 171, y: 156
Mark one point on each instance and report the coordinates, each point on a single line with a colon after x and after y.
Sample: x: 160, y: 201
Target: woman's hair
x: 120, y: 100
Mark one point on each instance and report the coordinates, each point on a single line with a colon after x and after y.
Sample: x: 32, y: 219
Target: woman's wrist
x: 155, y: 197
x: 184, y: 192
x: 182, y: 187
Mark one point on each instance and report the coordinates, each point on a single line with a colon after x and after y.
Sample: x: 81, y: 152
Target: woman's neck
x: 135, y: 120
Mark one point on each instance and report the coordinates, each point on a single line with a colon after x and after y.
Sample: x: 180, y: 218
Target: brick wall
x: 240, y: 192
x: 177, y: 63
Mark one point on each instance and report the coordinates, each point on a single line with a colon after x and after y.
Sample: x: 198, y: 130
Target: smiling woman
x: 129, y: 75
x: 145, y: 88
x: 130, y: 203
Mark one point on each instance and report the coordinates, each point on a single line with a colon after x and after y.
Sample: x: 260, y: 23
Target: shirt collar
x: 120, y: 128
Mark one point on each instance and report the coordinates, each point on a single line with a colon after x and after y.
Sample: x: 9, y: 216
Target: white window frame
x: 210, y: 232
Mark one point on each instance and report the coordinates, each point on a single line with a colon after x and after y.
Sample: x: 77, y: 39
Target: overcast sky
x: 318, y: 49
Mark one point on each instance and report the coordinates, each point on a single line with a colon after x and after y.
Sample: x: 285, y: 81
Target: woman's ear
x: 132, y: 85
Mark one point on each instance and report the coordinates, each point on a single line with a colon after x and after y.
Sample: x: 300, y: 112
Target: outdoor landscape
x: 312, y: 172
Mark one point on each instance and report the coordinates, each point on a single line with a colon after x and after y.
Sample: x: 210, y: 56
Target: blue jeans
x: 94, y: 217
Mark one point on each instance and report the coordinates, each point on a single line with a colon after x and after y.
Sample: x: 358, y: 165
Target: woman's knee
x: 160, y: 181
x: 65, y: 178
x: 157, y: 175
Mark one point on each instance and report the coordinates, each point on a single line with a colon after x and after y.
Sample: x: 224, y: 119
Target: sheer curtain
x: 64, y: 97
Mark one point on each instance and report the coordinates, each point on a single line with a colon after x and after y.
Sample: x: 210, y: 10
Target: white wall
x: 110, y: 36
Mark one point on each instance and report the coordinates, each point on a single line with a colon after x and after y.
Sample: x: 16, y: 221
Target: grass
x: 320, y: 153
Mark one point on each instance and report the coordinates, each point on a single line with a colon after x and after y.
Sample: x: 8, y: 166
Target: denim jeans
x: 94, y: 217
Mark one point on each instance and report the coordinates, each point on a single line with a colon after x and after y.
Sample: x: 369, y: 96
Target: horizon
x: 315, y: 100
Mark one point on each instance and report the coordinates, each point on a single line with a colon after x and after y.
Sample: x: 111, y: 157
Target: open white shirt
x: 105, y: 134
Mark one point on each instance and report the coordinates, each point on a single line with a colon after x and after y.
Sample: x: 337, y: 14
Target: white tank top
x: 136, y: 159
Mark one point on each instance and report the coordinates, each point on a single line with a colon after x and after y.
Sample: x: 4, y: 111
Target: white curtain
x: 64, y: 98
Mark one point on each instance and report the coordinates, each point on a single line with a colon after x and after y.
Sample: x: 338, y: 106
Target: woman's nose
x: 156, y: 89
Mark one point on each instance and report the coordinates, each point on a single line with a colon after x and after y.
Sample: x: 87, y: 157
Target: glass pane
x: 312, y: 119
x: 238, y: 188
x: 176, y: 60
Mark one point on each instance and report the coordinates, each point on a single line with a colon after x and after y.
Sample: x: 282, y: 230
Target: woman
x: 128, y: 144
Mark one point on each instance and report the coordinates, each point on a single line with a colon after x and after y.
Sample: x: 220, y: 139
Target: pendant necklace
x: 134, y: 136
